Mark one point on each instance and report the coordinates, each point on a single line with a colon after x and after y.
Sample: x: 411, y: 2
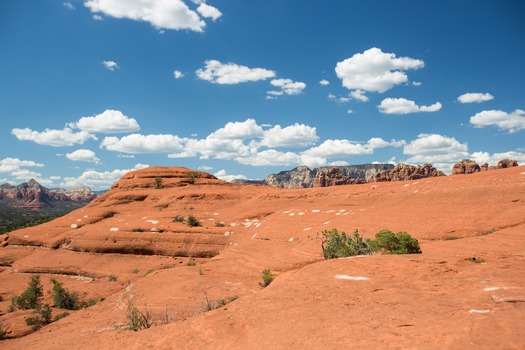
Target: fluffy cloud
x: 238, y: 130
x: 98, y: 18
x: 287, y: 87
x: 485, y: 157
x: 324, y: 82
x: 475, y: 97
x: 404, y: 106
x: 338, y: 99
x: 55, y: 138
x: 10, y: 165
x: 110, y: 65
x: 375, y: 70
x: 271, y: 157
x: 359, y: 95
x: 208, y: 11
x: 376, y: 142
x: 177, y: 74
x: 439, y: 150
x: 223, y: 175
x: 136, y: 143
x: 230, y: 73
x: 337, y: 148
x: 511, y: 122
x: 297, y: 135
x: 83, y: 155
x: 109, y: 121
x: 162, y: 14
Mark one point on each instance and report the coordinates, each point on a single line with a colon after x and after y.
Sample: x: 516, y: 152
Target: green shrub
x: 2, y: 332
x: 215, y: 304
x: 89, y: 303
x: 395, y: 243
x: 193, y: 222
x: 158, y: 182
x: 137, y: 319
x: 137, y: 229
x: 337, y: 244
x: 267, y: 277
x: 219, y: 224
x: 31, y: 297
x: 41, y: 317
x: 476, y: 260
x: 178, y: 218
x: 109, y: 214
x: 112, y: 278
x: 60, y: 316
x: 148, y: 272
x: 63, y: 298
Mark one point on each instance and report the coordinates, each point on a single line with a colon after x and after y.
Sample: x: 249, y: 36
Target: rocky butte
x: 201, y: 282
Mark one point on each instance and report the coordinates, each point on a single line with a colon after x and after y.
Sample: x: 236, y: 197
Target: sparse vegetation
x: 193, y: 222
x: 137, y: 319
x: 137, y: 229
x: 450, y: 238
x: 109, y: 214
x: 267, y: 278
x: 60, y: 316
x: 89, y: 303
x: 337, y: 244
x: 178, y: 218
x: 112, y: 278
x: 63, y: 298
x: 169, y: 266
x: 31, y: 298
x: 148, y: 272
x: 135, y: 270
x: 219, y: 224
x: 41, y: 316
x: 215, y: 304
x: 476, y: 260
x: 191, y: 263
x: 2, y: 332
x: 158, y: 182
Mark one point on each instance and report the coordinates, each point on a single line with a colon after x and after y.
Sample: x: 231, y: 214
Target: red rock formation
x: 404, y: 172
x: 484, y: 167
x: 334, y: 177
x: 507, y: 163
x: 465, y: 166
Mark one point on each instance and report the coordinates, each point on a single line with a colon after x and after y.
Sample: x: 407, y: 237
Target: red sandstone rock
x: 507, y: 163
x: 465, y: 166
x: 404, y: 172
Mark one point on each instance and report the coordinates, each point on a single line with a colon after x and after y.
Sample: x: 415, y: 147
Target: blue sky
x: 90, y: 89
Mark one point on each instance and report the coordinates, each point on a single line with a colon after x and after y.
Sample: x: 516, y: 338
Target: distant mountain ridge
x: 33, y: 195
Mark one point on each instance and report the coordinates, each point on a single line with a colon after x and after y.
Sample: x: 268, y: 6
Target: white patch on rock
x: 290, y: 240
x: 78, y: 220
x: 74, y: 225
x: 291, y: 214
x: 307, y: 229
x: 326, y: 222
x: 315, y: 211
x: 351, y: 278
x: 226, y: 234
x: 330, y: 211
x: 476, y: 311
x: 154, y: 222
x: 114, y: 229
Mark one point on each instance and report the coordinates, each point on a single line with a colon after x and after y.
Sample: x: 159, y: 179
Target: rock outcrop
x: 465, y: 166
x: 404, y: 172
x: 304, y: 177
x: 33, y: 195
x: 507, y: 163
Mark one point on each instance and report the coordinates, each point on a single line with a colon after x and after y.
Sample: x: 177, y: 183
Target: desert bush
x: 215, y: 304
x: 219, y: 224
x: 31, y: 297
x: 63, y: 298
x: 88, y: 303
x: 395, y: 243
x: 2, y: 332
x: 41, y: 317
x: 337, y: 244
x: 158, y: 182
x: 476, y: 260
x: 148, y: 272
x: 60, y: 316
x: 267, y: 278
x: 193, y: 222
x: 178, y: 218
x: 137, y: 229
x: 112, y: 278
x: 109, y: 214
x: 137, y: 319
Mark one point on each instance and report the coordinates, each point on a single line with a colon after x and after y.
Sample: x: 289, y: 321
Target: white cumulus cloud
x: 287, y: 87
x: 375, y: 70
x: 223, y: 175
x: 55, y: 138
x: 68, y: 5
x: 230, y: 73
x: 359, y: 95
x: 161, y: 14
x: 511, y: 122
x: 83, y: 155
x: 109, y: 121
x: 404, y: 106
x: 110, y: 65
x: 271, y: 157
x: 177, y: 74
x: 10, y: 165
x: 337, y: 148
x: 296, y: 135
x: 208, y: 11
x: 137, y: 143
x: 324, y: 82
x: 485, y: 157
x: 475, y: 97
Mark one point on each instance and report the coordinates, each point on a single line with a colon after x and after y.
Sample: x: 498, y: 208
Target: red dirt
x: 437, y: 299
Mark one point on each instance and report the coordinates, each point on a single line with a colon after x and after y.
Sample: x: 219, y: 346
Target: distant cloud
x: 359, y: 95
x: 337, y: 148
x: 68, y: 5
x: 485, y: 157
x: 475, y: 97
x: 177, y: 74
x: 83, y: 155
x: 416, y: 83
x: 98, y: 18
x: 55, y: 138
x: 109, y: 121
x: 161, y: 14
x: 324, y: 82
x: 271, y: 157
x: 333, y: 97
x: 349, y: 111
x: 511, y: 122
x: 230, y: 73
x: 110, y: 65
x: 404, y: 106
x: 375, y: 70
x: 139, y: 144
x: 208, y: 11
x: 10, y: 165
x: 287, y: 87
x: 223, y: 175
x: 96, y: 179
x: 297, y: 135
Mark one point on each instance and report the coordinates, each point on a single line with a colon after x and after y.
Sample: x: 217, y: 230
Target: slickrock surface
x: 434, y: 300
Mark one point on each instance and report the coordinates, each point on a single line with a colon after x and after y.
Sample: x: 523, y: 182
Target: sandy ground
x: 434, y: 300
